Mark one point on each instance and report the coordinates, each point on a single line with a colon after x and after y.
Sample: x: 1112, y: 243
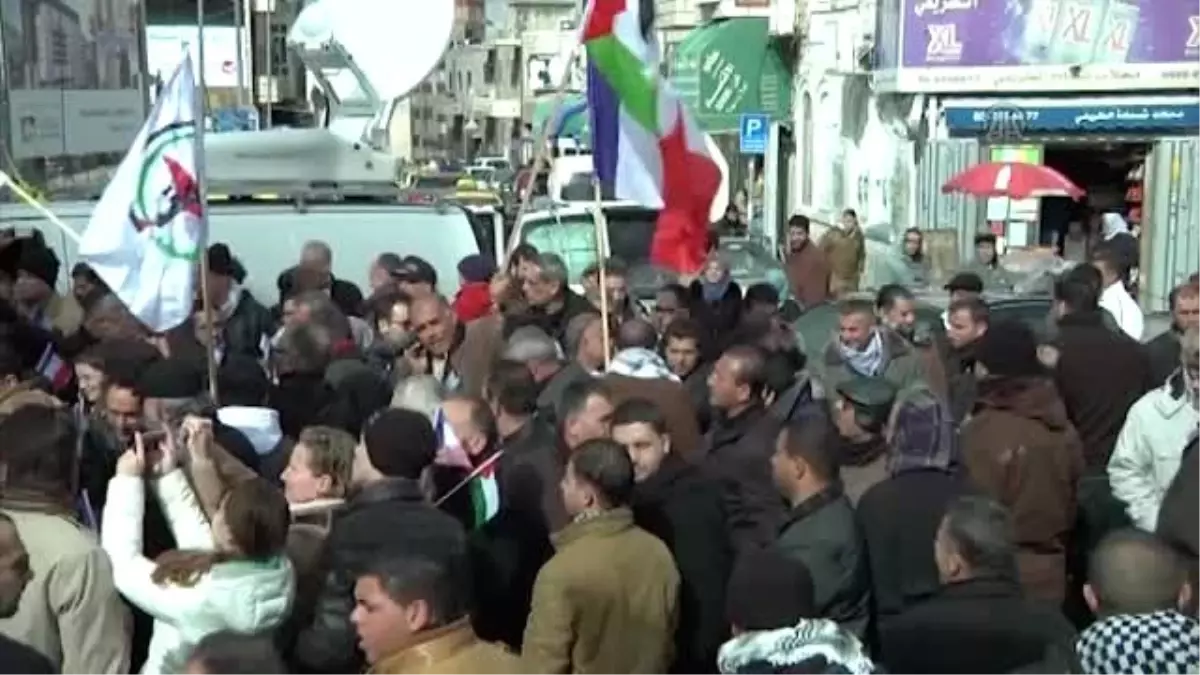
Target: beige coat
x: 607, y: 602
x: 65, y: 314
x: 450, y: 649
x: 70, y: 611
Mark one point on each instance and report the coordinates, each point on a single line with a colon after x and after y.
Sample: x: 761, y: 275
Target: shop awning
x: 728, y: 68
x: 571, y: 121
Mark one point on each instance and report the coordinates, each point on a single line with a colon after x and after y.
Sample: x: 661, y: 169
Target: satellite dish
x: 390, y: 43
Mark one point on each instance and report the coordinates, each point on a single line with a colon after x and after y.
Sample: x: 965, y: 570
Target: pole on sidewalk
x: 201, y: 115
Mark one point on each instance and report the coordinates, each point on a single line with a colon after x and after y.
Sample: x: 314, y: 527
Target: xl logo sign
x: 943, y: 43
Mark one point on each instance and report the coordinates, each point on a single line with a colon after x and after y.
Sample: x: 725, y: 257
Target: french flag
x: 51, y: 366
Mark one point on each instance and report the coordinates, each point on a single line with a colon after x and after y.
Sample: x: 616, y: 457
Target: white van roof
x: 267, y: 237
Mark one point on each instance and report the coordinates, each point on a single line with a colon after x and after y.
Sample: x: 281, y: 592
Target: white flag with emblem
x: 148, y: 229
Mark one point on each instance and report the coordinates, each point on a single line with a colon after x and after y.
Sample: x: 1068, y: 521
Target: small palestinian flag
x: 52, y: 367
x: 485, y: 492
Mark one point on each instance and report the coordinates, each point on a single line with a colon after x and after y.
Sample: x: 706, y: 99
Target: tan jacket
x: 70, y: 611
x: 846, y: 253
x: 65, y: 314
x: 451, y: 649
x: 25, y: 393
x: 607, y: 602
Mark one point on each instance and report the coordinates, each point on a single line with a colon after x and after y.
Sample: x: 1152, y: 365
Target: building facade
x: 72, y: 90
x: 894, y: 97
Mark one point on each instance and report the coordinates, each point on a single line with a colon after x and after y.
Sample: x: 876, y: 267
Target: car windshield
x: 482, y: 173
x: 444, y: 181
x: 573, y: 237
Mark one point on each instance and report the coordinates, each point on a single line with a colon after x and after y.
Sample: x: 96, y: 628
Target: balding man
x: 318, y: 257
x: 637, y: 371
x: 441, y: 337
x: 551, y: 302
x: 1136, y: 586
x: 740, y: 445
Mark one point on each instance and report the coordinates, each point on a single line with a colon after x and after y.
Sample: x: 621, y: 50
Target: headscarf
x: 714, y: 292
x: 922, y: 434
x: 811, y: 646
x: 1112, y: 224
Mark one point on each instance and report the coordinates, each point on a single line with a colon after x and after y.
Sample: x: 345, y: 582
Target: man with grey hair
x: 318, y: 257
x: 551, y: 302
x: 545, y: 360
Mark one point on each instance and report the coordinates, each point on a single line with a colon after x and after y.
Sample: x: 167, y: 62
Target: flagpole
x: 201, y: 117
x: 540, y: 151
x: 601, y: 223
x: 6, y: 180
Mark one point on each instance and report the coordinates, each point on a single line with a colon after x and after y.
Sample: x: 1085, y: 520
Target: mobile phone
x: 152, y: 438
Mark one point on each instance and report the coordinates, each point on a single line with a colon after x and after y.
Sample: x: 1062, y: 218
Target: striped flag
x: 646, y: 147
x: 52, y: 367
x: 480, y: 481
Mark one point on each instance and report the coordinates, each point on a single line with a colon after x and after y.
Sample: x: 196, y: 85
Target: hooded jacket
x: 245, y: 596
x: 1020, y: 449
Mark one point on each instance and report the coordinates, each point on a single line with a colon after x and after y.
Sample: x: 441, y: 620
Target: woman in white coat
x: 233, y: 575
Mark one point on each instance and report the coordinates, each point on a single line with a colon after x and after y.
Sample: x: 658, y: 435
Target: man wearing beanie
x: 42, y: 306
x: 474, y: 297
x: 386, y: 515
x: 1020, y: 449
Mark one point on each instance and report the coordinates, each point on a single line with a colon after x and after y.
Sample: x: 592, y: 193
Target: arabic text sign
x: 1010, y: 122
x: 1040, y: 45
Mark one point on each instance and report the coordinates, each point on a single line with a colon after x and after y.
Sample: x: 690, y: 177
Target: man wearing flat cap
x: 37, y: 274
x: 243, y: 325
x: 861, y: 410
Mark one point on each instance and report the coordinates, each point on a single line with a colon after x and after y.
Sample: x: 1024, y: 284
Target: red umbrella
x: 1016, y: 180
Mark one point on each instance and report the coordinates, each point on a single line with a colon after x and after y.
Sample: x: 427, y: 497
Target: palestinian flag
x: 646, y: 148
x: 485, y: 491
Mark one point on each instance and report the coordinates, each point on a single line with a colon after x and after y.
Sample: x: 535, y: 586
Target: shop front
x: 1133, y: 155
x: 1103, y: 91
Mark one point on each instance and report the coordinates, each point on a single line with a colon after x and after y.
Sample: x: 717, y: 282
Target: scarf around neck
x: 715, y: 292
x: 870, y: 361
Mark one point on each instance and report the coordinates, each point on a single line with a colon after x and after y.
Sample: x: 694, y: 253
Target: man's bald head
x: 636, y: 333
x: 1134, y: 572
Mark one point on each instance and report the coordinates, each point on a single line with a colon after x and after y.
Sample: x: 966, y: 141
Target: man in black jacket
x: 679, y: 504
x: 1164, y: 349
x: 318, y: 257
x: 740, y: 445
x: 245, y: 326
x: 386, y: 515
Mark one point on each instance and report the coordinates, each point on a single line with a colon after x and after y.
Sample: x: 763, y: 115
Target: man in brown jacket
x: 805, y: 264
x: 1020, y: 449
x: 846, y: 250
x: 411, y: 616
x: 607, y: 602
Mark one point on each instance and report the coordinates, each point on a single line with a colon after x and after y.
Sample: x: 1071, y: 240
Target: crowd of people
x: 509, y: 481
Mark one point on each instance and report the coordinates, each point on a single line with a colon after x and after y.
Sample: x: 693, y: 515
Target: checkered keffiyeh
x: 1161, y: 642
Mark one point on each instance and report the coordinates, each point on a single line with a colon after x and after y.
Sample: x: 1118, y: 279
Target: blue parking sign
x: 752, y: 133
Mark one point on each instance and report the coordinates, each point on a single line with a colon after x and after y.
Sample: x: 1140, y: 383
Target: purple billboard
x: 1037, y: 45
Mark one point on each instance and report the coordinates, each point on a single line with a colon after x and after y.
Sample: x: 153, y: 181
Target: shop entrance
x: 1112, y: 174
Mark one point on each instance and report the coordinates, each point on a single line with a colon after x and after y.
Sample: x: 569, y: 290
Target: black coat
x: 389, y: 518
x: 683, y: 507
x: 18, y: 657
x: 1100, y: 375
x: 250, y: 325
x: 719, y: 319
x: 1163, y: 352
x: 553, y: 323
x: 899, y: 518
x: 529, y: 473
x: 821, y: 533
x: 345, y: 294
x: 976, y: 626
x: 739, y: 456
x: 1179, y: 517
